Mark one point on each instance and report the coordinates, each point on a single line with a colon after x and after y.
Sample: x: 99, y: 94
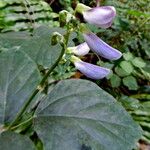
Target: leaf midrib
x: 77, y: 117
x: 70, y: 95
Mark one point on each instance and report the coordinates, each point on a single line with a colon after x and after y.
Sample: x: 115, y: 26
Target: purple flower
x: 100, y: 16
x: 91, y: 71
x: 100, y: 47
x: 80, y: 50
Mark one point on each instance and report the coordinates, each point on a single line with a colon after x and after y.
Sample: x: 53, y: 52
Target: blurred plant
x: 25, y: 15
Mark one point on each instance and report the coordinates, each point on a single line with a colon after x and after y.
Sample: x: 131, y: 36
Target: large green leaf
x: 19, y: 77
x: 38, y: 47
x: 78, y: 115
x: 14, y: 141
x: 44, y: 31
x: 11, y: 39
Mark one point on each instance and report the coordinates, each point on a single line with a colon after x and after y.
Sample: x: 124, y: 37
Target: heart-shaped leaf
x: 38, y: 47
x: 14, y: 141
x: 19, y: 77
x: 41, y: 51
x: 78, y: 115
x: 44, y: 31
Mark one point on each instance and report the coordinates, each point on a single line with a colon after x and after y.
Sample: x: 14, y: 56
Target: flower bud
x: 100, y: 47
x: 90, y: 70
x: 57, y: 38
x: 65, y: 17
x: 79, y: 50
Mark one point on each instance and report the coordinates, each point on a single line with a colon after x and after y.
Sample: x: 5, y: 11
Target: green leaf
x: 138, y: 13
x: 130, y: 103
x: 77, y: 114
x: 127, y: 66
x: 14, y: 141
x: 70, y: 41
x: 38, y: 47
x: 130, y: 82
x: 12, y: 39
x: 121, y: 72
x: 44, y: 31
x: 138, y: 62
x: 18, y: 79
x: 128, y: 56
x: 115, y: 80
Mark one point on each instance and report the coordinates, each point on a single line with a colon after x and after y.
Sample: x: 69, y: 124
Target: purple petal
x: 107, y: 25
x: 81, y: 49
x: 100, y: 47
x: 91, y: 71
x: 100, y: 16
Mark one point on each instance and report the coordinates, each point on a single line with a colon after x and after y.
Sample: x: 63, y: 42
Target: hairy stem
x: 37, y: 90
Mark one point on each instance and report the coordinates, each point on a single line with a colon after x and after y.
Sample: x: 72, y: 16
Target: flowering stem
x: 37, y: 89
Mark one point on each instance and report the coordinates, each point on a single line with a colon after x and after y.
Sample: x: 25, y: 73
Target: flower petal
x: 100, y: 16
x: 100, y: 47
x: 81, y: 49
x: 107, y: 25
x: 91, y: 71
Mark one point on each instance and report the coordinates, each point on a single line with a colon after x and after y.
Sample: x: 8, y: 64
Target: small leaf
x: 14, y: 141
x: 130, y: 82
x: 128, y: 56
x: 121, y: 72
x: 78, y: 114
x: 18, y: 79
x: 115, y: 80
x: 138, y: 62
x: 127, y: 66
x: 130, y: 103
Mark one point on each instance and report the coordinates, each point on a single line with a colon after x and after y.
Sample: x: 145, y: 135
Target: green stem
x: 37, y: 90
x: 67, y: 35
x: 17, y: 126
